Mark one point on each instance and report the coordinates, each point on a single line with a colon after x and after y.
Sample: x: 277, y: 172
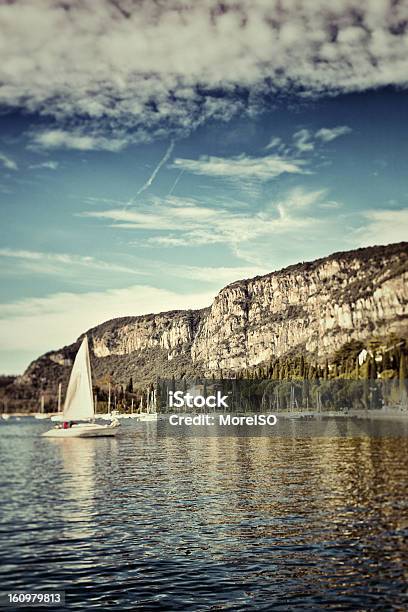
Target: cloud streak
x: 302, y: 141
x: 178, y: 222
x: 329, y: 134
x: 63, y: 139
x: 7, y: 162
x: 61, y: 263
x: 242, y: 167
x: 47, y: 165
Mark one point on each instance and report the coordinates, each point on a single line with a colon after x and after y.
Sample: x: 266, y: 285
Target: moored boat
x: 148, y: 416
x: 78, y: 416
x: 42, y: 414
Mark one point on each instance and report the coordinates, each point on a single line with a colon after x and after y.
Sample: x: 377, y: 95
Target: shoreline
x: 393, y: 413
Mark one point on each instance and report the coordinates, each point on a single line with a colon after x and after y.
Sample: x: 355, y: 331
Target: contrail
x: 157, y: 169
x: 176, y: 181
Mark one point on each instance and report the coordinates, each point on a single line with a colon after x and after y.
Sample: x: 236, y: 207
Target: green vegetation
x: 377, y: 359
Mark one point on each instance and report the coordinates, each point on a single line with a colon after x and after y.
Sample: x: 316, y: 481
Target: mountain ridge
x: 311, y: 308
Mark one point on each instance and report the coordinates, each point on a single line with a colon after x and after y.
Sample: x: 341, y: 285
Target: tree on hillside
x: 403, y: 368
x: 129, y: 386
x: 403, y: 378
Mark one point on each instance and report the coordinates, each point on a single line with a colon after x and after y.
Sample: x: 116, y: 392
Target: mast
x: 59, y: 397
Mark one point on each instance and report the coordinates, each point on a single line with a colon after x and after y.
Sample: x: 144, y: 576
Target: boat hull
x: 148, y: 416
x: 57, y: 418
x: 82, y: 431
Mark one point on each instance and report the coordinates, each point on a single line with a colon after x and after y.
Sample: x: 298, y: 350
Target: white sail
x: 79, y: 404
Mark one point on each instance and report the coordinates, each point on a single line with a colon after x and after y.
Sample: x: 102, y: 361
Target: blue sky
x: 110, y: 208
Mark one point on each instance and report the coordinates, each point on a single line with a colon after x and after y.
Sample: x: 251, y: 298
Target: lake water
x: 148, y: 522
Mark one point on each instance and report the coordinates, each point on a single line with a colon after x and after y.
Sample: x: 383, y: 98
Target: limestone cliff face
x: 311, y: 307
x: 172, y: 332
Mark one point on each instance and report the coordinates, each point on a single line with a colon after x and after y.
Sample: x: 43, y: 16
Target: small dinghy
x: 79, y: 411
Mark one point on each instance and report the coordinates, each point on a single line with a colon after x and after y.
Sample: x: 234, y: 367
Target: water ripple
x: 142, y: 522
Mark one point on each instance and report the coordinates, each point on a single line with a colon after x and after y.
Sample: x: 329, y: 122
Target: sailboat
x: 151, y: 413
x: 42, y: 414
x: 133, y: 415
x: 79, y: 403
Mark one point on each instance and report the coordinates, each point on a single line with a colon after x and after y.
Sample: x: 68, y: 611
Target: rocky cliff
x: 312, y: 308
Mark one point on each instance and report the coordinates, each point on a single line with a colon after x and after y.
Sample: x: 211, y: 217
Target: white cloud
x: 153, y: 217
x: 299, y: 198
x: 53, y: 139
x: 331, y: 204
x: 382, y: 227
x: 329, y: 134
x: 61, y: 263
x: 242, y: 167
x: 7, y: 162
x: 302, y: 141
x: 273, y: 143
x: 47, y: 165
x: 174, y: 222
x: 149, y: 66
x: 190, y: 238
x: 219, y: 276
x: 58, y: 263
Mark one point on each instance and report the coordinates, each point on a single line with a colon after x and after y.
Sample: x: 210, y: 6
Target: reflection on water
x: 78, y: 462
x: 149, y: 522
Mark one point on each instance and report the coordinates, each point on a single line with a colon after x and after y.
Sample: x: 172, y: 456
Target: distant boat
x: 57, y: 418
x: 148, y: 416
x: 133, y: 415
x: 151, y: 413
x: 79, y: 410
x: 42, y: 414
